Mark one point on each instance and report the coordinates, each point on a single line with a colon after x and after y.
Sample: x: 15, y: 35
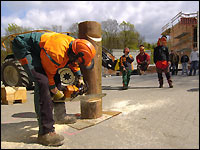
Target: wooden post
x: 92, y: 29
x: 91, y: 108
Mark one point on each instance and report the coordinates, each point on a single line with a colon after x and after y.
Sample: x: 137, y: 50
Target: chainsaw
x: 73, y: 90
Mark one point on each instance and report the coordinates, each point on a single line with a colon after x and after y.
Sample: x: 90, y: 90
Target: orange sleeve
x: 131, y: 56
x: 132, y: 62
x: 121, y: 61
x: 23, y: 61
x: 49, y: 67
x: 75, y: 67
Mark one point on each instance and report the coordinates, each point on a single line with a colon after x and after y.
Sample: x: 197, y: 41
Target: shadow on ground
x: 120, y: 88
x: 19, y: 132
x: 25, y: 115
x: 193, y: 90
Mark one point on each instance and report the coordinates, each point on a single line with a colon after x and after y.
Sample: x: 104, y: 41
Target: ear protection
x: 73, y: 57
x: 124, y: 50
x: 88, y: 67
x: 83, y: 51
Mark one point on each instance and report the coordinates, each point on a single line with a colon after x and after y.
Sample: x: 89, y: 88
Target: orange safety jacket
x: 125, y: 63
x: 54, y: 48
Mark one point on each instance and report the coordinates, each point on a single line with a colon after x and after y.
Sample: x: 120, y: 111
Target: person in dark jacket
x: 174, y: 59
x: 184, y: 62
x: 161, y: 59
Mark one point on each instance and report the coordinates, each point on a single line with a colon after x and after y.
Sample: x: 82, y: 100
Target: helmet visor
x: 89, y: 66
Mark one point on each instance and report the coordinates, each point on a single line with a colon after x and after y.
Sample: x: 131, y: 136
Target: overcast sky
x: 148, y: 17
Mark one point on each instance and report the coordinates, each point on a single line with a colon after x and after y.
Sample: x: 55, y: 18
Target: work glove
x: 83, y: 87
x: 63, y: 88
x: 80, y: 81
x: 58, y: 96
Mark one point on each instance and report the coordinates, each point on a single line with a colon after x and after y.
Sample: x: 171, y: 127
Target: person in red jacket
x: 42, y: 55
x: 143, y: 60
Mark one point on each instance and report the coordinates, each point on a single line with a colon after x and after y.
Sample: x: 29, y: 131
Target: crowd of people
x: 164, y: 61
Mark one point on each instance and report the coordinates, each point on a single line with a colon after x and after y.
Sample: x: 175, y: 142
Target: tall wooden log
x: 87, y: 30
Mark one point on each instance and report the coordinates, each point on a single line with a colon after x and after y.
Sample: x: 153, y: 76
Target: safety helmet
x: 84, y: 51
x: 163, y: 40
x: 158, y: 43
x: 126, y: 50
x: 142, y: 46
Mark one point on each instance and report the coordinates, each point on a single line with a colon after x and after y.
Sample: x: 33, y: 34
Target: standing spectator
x: 194, y: 60
x: 176, y: 63
x: 126, y: 61
x: 143, y: 60
x: 184, y: 62
x: 161, y: 59
x: 174, y: 59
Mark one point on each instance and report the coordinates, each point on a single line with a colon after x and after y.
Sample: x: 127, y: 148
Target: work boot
x: 161, y: 84
x: 170, y: 83
x: 51, y: 139
x: 67, y: 119
x: 60, y: 115
x: 125, y: 87
x: 138, y: 71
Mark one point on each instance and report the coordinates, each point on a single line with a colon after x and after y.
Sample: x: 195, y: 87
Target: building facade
x: 182, y: 35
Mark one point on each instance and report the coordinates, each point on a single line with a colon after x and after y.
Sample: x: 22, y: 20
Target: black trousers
x: 166, y: 71
x: 142, y: 67
x: 42, y: 96
x: 43, y: 100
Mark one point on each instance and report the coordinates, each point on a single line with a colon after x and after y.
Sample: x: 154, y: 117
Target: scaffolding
x: 182, y: 30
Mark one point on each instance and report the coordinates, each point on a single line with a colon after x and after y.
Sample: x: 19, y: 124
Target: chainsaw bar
x: 81, y: 98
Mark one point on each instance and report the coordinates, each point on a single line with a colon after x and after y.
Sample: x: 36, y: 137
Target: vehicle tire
x: 13, y: 74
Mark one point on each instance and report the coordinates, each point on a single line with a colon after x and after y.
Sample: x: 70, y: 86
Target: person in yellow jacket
x: 126, y: 62
x: 42, y: 55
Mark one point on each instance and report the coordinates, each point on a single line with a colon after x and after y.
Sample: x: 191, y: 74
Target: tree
x: 11, y: 29
x: 14, y: 28
x: 74, y: 30
x: 45, y: 28
x: 109, y: 33
x: 127, y: 34
x: 3, y: 54
x: 122, y: 35
x: 56, y: 28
